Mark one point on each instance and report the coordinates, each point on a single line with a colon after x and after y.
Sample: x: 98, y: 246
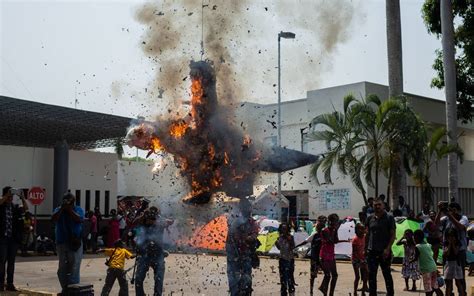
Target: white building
x: 309, y: 200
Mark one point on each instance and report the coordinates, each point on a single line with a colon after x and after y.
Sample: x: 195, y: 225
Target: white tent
x: 267, y: 202
x: 346, y: 231
x: 299, y: 237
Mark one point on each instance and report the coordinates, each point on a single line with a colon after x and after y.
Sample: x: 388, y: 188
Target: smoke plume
x: 241, y: 38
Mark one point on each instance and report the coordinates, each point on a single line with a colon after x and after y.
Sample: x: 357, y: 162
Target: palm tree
x: 337, y: 134
x: 360, y: 139
x: 398, y: 180
x: 370, y: 136
x: 434, y: 150
x: 447, y: 29
x: 394, y: 48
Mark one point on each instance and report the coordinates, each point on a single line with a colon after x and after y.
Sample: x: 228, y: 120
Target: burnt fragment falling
x: 211, y: 153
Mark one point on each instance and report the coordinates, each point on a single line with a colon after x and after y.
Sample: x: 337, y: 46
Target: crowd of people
x: 445, y: 229
x: 77, y: 232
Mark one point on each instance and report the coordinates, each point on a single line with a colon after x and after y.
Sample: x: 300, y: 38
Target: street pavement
x: 194, y: 275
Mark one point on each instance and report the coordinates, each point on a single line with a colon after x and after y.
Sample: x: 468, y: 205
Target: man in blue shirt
x: 150, y: 249
x: 68, y: 218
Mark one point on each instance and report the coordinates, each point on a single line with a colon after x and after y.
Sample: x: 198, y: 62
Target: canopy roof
x: 33, y: 124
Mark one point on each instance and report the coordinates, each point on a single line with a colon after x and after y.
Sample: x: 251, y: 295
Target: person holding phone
x: 11, y: 234
x: 68, y: 219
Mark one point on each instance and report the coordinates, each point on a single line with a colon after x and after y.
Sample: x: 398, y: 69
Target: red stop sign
x: 36, y: 195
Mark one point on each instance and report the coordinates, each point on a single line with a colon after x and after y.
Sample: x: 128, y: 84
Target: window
x: 97, y: 199
x: 107, y: 203
x: 78, y: 198
x: 88, y: 200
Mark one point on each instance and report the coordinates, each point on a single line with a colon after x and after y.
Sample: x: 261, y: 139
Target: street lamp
x: 285, y: 35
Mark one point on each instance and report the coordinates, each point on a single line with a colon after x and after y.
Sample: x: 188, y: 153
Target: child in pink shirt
x: 328, y: 258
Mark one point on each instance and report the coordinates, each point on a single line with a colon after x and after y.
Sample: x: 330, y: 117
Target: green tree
x: 434, y: 150
x: 337, y: 134
x: 463, y: 11
x: 119, y: 148
x: 360, y: 139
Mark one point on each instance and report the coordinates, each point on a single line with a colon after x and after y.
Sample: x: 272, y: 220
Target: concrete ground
x: 193, y: 275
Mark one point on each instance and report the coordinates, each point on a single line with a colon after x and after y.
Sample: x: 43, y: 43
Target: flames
x: 155, y: 145
x: 204, y: 143
x: 178, y: 129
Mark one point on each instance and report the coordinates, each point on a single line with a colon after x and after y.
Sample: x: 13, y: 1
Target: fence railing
x: 465, y: 198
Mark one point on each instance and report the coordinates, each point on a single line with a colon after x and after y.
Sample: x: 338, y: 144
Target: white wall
x: 137, y: 179
x: 24, y: 167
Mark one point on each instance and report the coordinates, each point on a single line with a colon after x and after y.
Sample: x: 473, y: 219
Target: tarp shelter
x: 346, y: 231
x: 267, y: 240
x: 211, y: 236
x: 268, y: 224
x: 402, y: 226
x: 268, y: 203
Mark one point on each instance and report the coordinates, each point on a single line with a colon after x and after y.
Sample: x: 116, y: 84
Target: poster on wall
x: 334, y: 199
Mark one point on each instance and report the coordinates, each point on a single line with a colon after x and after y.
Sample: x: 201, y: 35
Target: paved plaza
x: 192, y: 275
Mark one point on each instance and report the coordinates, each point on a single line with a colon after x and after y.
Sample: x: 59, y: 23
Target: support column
x: 61, y: 172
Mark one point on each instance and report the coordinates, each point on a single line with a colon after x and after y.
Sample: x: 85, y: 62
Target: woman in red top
x: 358, y: 259
x: 328, y: 259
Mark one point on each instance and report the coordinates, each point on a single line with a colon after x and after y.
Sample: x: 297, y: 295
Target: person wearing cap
x: 68, y: 219
x: 150, y: 250
x: 11, y: 235
x: 116, y: 266
x: 240, y: 248
x: 453, y: 219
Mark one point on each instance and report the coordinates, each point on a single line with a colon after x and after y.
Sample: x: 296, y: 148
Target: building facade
x: 307, y: 200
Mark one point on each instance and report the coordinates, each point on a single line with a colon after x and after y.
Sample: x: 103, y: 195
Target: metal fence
x: 465, y: 198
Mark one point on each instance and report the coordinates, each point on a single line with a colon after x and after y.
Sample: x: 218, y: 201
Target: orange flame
x: 216, y: 181
x: 247, y: 140
x: 178, y: 129
x: 197, y: 93
x: 156, y: 145
x: 212, y: 151
x: 226, y: 159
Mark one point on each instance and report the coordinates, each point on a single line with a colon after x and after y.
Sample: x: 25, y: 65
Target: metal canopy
x: 32, y: 124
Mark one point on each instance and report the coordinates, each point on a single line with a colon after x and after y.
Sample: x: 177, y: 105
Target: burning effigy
x: 211, y: 153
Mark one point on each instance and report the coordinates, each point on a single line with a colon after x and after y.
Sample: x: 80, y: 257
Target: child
x: 429, y: 272
x: 116, y: 264
x: 315, y: 240
x: 453, y: 269
x: 328, y: 259
x: 409, y: 267
x: 358, y: 259
x: 286, y: 266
